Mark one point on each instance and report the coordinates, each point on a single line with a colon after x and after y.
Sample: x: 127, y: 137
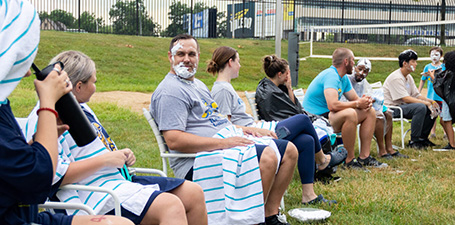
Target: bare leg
x: 100, y: 220
x: 346, y: 122
x: 389, y: 133
x: 193, y: 200
x: 379, y: 134
x: 282, y: 180
x: 447, y: 125
x: 308, y: 192
x: 166, y: 209
x: 267, y: 166
x: 433, y: 129
x: 367, y: 120
x: 322, y: 159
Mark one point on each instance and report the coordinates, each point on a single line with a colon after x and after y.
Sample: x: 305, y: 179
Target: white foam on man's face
x: 181, y: 69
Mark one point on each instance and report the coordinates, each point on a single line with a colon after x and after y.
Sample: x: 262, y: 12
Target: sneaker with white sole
x: 370, y: 161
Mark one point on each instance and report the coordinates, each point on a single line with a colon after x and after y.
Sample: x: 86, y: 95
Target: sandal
x: 318, y: 200
x: 338, y: 156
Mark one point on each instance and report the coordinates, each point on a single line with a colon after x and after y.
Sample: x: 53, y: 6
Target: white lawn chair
x: 164, y: 150
x: 50, y: 205
x: 402, y: 120
x: 251, y: 97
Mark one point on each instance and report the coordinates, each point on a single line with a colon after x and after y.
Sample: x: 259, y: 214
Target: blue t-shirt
x: 314, y: 100
x: 431, y: 94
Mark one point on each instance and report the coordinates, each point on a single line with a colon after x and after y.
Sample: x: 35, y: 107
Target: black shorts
x: 166, y: 184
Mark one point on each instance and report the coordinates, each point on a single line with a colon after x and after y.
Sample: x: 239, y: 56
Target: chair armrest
x: 401, y: 113
x: 67, y: 205
x: 96, y: 189
x: 134, y: 170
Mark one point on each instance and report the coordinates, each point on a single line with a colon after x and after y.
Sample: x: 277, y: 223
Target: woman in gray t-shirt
x: 297, y: 129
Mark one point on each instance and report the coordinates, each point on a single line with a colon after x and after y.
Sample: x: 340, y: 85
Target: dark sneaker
x: 318, y: 200
x: 370, y: 161
x: 354, y: 164
x: 419, y: 145
x: 273, y: 220
x: 449, y: 147
x: 429, y: 143
x: 397, y: 154
x: 387, y: 156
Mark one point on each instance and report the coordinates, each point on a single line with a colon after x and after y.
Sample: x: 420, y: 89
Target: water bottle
x: 70, y: 112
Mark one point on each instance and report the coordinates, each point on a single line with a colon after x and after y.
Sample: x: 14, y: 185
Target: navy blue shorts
x: 166, y: 184
x: 53, y: 219
x: 280, y: 143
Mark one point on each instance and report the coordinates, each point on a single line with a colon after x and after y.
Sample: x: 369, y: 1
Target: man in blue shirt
x: 323, y: 98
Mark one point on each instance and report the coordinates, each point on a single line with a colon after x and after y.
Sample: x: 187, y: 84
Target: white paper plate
x: 309, y: 214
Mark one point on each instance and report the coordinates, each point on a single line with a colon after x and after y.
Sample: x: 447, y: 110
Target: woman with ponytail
x: 225, y: 63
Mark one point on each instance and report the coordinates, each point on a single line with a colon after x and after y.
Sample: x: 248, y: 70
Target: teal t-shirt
x: 314, y: 100
x: 431, y: 94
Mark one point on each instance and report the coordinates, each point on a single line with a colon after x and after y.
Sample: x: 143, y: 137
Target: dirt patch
x: 135, y: 101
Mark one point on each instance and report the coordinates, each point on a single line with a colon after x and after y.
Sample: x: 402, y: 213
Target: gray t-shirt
x: 231, y: 104
x: 179, y: 104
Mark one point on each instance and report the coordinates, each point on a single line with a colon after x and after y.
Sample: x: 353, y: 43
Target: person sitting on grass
x: 189, y: 119
x: 27, y: 169
x: 144, y: 199
x: 225, y: 63
x: 428, y: 74
x: 383, y: 116
x: 400, y: 90
x: 323, y: 98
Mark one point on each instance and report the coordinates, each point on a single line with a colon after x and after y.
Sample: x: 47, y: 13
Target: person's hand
x: 61, y: 128
x: 258, y: 132
x: 53, y: 87
x: 235, y: 141
x: 117, y: 159
x: 435, y: 104
x: 365, y: 102
x: 289, y: 81
x: 431, y: 74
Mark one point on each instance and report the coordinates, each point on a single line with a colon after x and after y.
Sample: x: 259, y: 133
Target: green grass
x: 418, y: 191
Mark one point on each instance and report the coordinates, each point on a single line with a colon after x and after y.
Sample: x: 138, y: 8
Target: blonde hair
x: 77, y: 65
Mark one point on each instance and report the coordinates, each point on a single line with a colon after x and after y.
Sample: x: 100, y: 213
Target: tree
x: 177, y: 10
x: 89, y: 23
x: 61, y: 16
x: 131, y: 18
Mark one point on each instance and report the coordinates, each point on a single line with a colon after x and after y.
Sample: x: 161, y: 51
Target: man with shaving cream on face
x: 190, y: 121
x: 384, y: 125
x: 400, y: 90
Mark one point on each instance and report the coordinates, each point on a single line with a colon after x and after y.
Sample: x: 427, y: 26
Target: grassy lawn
x: 410, y: 191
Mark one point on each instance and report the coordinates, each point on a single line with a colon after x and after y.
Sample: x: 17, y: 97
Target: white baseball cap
x: 365, y: 62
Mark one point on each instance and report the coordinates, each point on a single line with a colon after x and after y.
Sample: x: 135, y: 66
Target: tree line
x: 131, y: 17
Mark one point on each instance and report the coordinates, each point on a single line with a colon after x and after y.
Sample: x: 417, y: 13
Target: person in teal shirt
x: 323, y: 98
x: 428, y: 74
